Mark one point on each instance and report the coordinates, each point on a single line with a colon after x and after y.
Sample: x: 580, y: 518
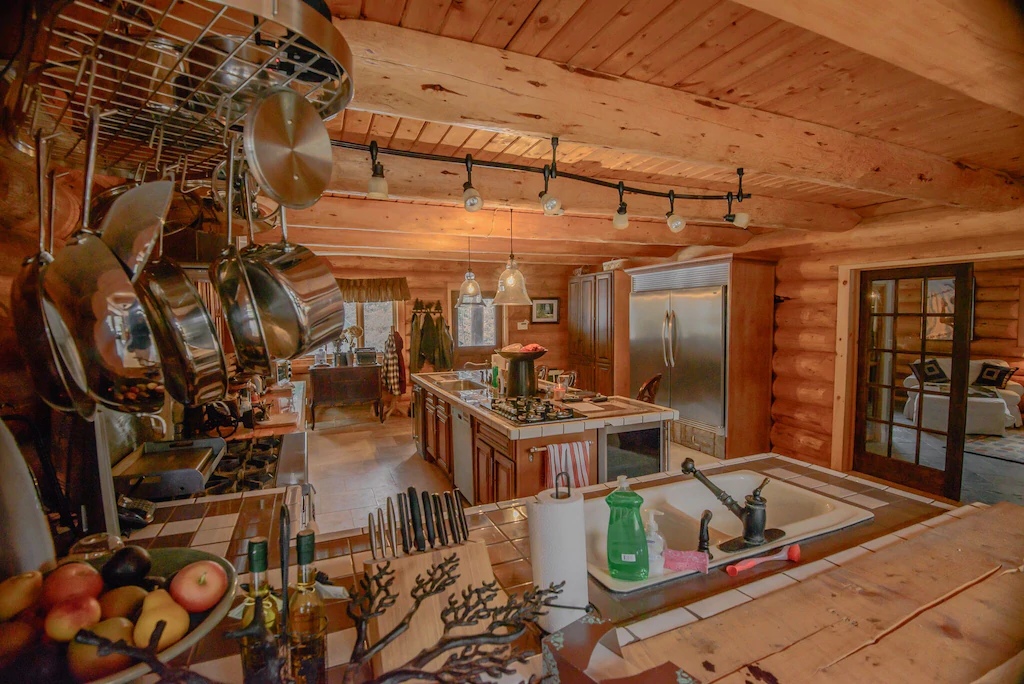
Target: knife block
x: 426, y: 627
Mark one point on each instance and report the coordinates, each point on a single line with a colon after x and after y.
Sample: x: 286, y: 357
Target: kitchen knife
x: 463, y: 523
x: 403, y: 521
x: 453, y: 524
x: 417, y: 520
x: 284, y: 535
x: 371, y: 526
x: 436, y: 508
x: 382, y: 534
x: 428, y: 519
x: 392, y: 528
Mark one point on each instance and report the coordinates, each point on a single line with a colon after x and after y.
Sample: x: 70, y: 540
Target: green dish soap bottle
x: 627, y: 541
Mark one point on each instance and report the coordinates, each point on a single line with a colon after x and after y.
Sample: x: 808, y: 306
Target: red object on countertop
x: 790, y: 553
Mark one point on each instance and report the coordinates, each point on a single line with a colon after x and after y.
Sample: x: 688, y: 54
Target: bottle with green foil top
x: 253, y: 655
x: 307, y: 623
x: 627, y: 541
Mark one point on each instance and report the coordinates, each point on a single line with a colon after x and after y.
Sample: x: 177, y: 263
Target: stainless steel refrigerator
x: 681, y: 334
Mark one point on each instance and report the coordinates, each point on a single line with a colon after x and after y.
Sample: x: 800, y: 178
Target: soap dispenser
x: 655, y: 544
x: 627, y: 542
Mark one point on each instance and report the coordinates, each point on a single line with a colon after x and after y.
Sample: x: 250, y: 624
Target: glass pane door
x: 913, y: 344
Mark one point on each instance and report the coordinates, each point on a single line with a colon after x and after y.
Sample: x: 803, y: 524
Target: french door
x: 908, y: 431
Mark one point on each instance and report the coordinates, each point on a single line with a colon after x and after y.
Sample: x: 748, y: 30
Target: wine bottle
x: 254, y: 651
x: 307, y: 622
x: 306, y: 618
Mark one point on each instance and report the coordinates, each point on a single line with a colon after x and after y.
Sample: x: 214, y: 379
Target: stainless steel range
x: 531, y: 411
x: 260, y: 463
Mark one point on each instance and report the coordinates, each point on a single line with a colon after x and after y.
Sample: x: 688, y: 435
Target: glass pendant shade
x: 470, y: 293
x: 676, y: 223
x: 621, y: 219
x: 471, y: 198
x: 742, y: 220
x: 378, y: 187
x: 512, y: 287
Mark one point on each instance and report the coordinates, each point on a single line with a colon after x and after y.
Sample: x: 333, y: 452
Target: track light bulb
x: 378, y: 188
x: 550, y: 204
x: 621, y: 219
x: 741, y: 220
x: 676, y: 223
x: 471, y: 199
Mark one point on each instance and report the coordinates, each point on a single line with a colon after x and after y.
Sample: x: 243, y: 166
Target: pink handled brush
x: 790, y: 553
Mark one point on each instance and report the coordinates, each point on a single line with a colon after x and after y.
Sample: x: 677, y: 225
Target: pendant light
x: 511, y: 284
x: 549, y: 202
x: 675, y: 222
x: 741, y: 219
x: 471, y: 198
x: 469, y: 293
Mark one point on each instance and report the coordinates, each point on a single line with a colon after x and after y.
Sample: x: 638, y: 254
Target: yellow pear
x: 85, y: 662
x: 122, y: 602
x: 158, y: 605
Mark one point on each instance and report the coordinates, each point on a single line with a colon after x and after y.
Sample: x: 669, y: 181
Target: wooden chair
x: 570, y: 378
x: 649, y: 389
x: 542, y: 372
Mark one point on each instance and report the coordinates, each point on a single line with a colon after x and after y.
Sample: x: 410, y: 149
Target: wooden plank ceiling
x: 712, y: 48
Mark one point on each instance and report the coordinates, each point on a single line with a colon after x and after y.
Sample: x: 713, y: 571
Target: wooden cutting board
x: 945, y: 606
x: 426, y: 626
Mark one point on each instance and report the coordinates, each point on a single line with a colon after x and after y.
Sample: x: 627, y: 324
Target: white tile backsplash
x: 713, y: 605
x: 767, y: 585
x: 662, y: 622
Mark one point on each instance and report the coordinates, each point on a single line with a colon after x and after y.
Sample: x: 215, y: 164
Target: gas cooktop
x: 530, y: 410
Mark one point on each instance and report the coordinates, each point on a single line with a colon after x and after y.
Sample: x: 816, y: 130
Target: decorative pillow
x: 992, y: 375
x: 928, y: 371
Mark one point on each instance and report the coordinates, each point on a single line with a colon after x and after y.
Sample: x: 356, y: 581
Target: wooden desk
x: 344, y: 386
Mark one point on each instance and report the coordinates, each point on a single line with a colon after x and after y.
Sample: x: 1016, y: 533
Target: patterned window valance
x: 374, y: 289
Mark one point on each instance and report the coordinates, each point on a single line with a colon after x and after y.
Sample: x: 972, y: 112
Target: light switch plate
x: 523, y: 325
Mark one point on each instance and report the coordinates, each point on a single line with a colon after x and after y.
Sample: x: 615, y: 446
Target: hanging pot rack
x: 174, y: 77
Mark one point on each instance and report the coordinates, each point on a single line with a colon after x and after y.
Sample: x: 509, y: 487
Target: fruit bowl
x: 166, y: 562
x: 516, y: 355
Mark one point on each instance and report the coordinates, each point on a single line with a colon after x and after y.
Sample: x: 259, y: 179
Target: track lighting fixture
x: 676, y: 223
x: 551, y: 205
x: 740, y: 220
x: 378, y: 188
x: 621, y: 219
x: 471, y: 199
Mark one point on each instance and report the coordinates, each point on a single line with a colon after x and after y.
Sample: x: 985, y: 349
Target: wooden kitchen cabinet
x: 599, y: 331
x: 419, y: 418
x: 443, y: 437
x: 504, y: 477
x: 494, y: 471
x: 430, y: 428
x: 483, y: 460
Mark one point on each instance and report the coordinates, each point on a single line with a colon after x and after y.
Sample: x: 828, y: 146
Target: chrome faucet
x: 754, y: 515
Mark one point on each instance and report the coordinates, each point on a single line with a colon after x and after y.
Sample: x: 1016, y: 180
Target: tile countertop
x: 223, y: 524
x: 616, y: 411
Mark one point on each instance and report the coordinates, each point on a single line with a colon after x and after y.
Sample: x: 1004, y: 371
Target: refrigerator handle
x: 664, y: 326
x: 672, y: 339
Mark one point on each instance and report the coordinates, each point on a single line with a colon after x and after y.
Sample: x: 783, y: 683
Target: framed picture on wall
x: 545, y: 311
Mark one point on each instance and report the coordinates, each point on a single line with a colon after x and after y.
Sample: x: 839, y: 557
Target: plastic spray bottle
x: 627, y: 543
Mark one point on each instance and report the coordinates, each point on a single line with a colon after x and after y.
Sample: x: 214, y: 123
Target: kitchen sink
x: 799, y: 512
x: 454, y: 386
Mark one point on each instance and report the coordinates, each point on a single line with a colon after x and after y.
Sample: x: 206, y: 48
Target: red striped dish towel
x: 572, y: 458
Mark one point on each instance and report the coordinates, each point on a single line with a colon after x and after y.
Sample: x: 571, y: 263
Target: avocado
x: 129, y: 565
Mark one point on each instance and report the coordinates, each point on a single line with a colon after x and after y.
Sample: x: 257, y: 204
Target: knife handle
x: 382, y: 534
x: 453, y: 524
x: 403, y: 521
x: 428, y: 519
x: 392, y: 528
x: 371, y: 526
x: 417, y: 520
x: 436, y: 506
x: 464, y: 524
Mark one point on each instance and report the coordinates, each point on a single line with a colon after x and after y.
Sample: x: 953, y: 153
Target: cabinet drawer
x: 705, y: 441
x: 490, y: 435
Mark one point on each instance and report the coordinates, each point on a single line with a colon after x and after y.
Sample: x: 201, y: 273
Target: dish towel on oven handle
x: 572, y: 458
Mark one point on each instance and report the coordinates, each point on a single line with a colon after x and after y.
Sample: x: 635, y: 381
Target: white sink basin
x: 800, y: 513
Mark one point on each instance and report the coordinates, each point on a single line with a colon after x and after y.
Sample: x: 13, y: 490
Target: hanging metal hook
x: 554, y: 158
x: 469, y: 169
x: 671, y: 202
x: 739, y: 192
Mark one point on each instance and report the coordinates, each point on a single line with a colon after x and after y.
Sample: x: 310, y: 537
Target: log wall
x: 805, y: 341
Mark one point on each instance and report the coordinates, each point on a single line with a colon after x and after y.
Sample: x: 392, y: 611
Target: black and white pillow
x: 928, y: 371
x: 992, y: 375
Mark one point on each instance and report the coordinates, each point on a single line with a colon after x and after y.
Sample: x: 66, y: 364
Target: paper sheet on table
x: 588, y: 409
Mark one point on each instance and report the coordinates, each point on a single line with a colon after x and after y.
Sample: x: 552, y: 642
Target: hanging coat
x: 415, y: 357
x: 428, y: 340
x: 392, y: 371
x: 445, y: 352
x: 399, y: 348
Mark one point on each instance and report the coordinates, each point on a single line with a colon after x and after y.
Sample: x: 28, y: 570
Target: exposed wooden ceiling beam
x: 459, y: 257
x: 412, y: 74
x: 430, y: 221
x: 418, y: 179
x: 484, y: 248
x: 358, y: 267
x: 975, y: 47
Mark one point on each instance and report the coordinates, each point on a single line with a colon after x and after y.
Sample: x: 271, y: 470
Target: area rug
x: 1008, y: 448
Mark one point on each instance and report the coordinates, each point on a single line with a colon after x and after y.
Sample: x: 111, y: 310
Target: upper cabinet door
x: 603, y: 313
x: 574, y: 316
x: 587, y: 316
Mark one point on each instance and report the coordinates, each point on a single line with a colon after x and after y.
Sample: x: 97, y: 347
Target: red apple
x: 66, y: 618
x: 199, y: 586
x: 69, y: 581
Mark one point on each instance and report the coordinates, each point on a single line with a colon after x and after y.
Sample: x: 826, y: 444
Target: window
x: 477, y: 326
x: 375, y: 319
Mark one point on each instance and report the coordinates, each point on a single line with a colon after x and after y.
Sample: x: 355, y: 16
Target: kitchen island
x: 223, y: 524
x: 491, y: 457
